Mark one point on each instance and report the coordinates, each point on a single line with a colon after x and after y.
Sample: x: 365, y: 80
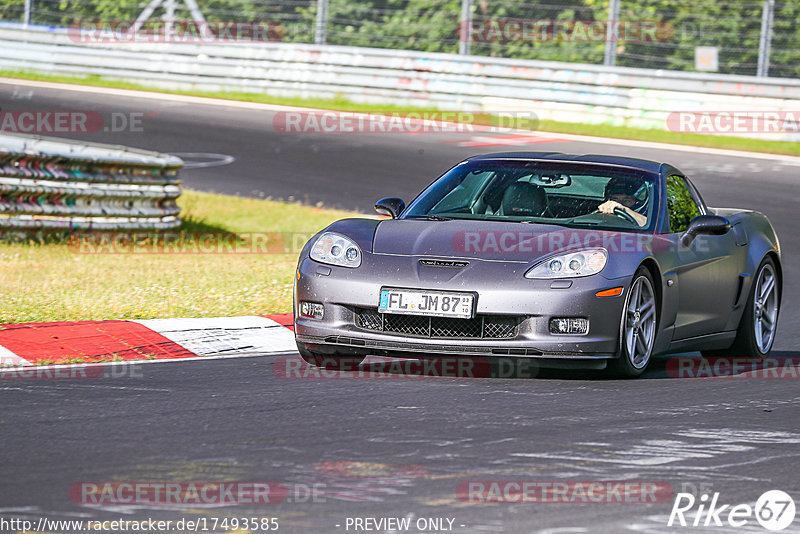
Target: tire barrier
x: 55, y: 184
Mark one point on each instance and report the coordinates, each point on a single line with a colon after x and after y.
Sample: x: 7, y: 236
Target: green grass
x: 61, y: 280
x: 663, y: 136
x: 341, y: 104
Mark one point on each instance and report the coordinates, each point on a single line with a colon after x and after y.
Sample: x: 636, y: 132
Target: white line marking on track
x: 130, y: 93
x: 199, y: 160
x: 506, y: 140
x: 140, y: 362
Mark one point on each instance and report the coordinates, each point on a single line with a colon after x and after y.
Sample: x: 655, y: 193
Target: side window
x: 463, y: 194
x: 681, y: 205
x: 697, y: 198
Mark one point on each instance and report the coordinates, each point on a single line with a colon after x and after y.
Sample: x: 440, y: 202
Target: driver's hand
x: 609, y: 206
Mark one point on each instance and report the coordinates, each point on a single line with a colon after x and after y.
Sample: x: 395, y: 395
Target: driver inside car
x: 627, y: 195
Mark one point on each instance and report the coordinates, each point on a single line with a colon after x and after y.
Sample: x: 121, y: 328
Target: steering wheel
x: 622, y: 214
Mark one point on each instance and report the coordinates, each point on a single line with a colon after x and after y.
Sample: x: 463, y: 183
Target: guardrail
x: 556, y: 91
x: 55, y: 184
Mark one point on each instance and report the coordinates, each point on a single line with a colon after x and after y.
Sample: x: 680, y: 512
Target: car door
x: 706, y: 270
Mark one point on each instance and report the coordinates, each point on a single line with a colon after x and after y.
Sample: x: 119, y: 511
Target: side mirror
x: 705, y: 225
x: 391, y: 207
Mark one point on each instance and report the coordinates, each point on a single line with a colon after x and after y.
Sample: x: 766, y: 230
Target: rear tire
x: 756, y: 332
x: 638, y: 328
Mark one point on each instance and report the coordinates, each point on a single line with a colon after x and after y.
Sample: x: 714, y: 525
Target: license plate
x: 420, y: 302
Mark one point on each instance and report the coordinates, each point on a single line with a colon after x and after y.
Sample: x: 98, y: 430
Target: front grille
x: 479, y: 327
x: 406, y: 324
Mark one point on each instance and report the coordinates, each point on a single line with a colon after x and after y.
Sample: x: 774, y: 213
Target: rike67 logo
x: 774, y: 510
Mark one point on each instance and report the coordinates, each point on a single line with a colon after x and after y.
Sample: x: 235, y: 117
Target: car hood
x: 482, y: 240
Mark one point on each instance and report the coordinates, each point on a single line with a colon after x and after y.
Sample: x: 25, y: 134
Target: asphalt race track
x: 397, y: 446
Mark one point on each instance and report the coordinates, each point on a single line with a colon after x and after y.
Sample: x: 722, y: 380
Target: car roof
x: 641, y: 164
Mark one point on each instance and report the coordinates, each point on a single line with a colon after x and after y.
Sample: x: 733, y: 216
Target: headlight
x: 336, y: 249
x: 571, y: 264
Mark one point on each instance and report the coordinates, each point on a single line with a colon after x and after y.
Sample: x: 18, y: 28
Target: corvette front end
x: 513, y: 315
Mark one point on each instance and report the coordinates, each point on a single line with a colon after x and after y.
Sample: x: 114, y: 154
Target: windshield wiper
x: 528, y: 221
x: 584, y: 223
x: 434, y: 218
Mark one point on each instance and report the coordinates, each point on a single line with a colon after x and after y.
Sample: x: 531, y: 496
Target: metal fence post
x: 320, y: 35
x: 464, y: 34
x: 610, y: 57
x: 26, y: 18
x: 765, y: 41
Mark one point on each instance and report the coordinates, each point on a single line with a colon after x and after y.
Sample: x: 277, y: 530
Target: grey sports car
x: 588, y: 261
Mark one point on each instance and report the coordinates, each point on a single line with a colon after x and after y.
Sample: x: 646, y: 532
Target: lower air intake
x: 479, y: 327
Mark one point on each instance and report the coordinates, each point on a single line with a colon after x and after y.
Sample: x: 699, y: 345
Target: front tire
x: 637, y: 327
x: 756, y: 333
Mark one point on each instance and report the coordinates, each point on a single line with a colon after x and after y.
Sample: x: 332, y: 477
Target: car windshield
x: 567, y: 194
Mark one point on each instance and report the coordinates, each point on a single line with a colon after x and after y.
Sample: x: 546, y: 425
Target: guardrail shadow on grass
x: 192, y: 229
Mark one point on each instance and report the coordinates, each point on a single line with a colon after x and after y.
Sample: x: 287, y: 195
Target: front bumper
x: 343, y: 291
